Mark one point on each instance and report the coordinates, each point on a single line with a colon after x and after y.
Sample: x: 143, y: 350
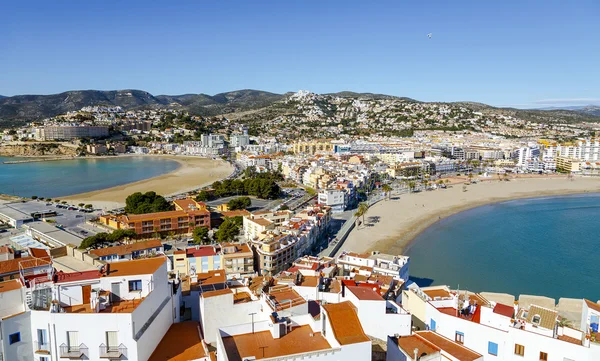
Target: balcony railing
x: 42, y: 347
x: 113, y: 351
x: 73, y: 352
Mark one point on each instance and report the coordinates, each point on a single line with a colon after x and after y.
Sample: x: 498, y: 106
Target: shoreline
x: 388, y: 234
x: 191, y: 174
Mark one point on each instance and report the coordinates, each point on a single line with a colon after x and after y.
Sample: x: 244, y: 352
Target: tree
x: 387, y: 189
x: 64, y: 202
x: 228, y: 231
x: 239, y: 203
x: 81, y: 204
x: 34, y: 197
x: 200, y: 235
x: 203, y: 196
x: 149, y: 202
x: 89, y: 206
x: 363, y: 208
x: 412, y: 185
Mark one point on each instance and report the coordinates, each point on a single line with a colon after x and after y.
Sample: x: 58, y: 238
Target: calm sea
x: 61, y: 178
x: 542, y: 246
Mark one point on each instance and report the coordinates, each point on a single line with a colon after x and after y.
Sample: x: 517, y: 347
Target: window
x: 536, y: 319
x: 519, y: 350
x: 135, y: 285
x: 543, y: 356
x: 432, y: 324
x: 112, y: 340
x: 493, y: 348
x: 73, y: 340
x: 44, y: 358
x: 459, y: 337
x: 14, y: 338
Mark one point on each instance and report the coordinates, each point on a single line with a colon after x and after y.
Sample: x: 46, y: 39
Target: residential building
x: 238, y: 260
x: 428, y: 346
x: 96, y: 149
x: 197, y: 259
x: 68, y: 132
x: 127, y: 252
x: 568, y: 165
x: 377, y: 263
x: 337, y: 199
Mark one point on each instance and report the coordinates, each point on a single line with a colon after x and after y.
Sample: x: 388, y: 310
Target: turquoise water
x: 541, y: 246
x: 61, y: 178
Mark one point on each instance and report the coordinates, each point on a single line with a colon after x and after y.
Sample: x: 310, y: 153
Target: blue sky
x: 504, y: 52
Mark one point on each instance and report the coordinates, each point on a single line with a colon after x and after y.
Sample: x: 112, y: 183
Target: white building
x: 378, y: 263
x: 336, y: 335
x: 120, y: 312
x: 337, y: 199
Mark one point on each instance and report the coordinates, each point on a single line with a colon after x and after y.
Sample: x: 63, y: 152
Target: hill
x: 255, y: 106
x: 23, y: 108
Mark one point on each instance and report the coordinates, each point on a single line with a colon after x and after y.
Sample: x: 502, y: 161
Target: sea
x: 51, y: 179
x: 539, y: 246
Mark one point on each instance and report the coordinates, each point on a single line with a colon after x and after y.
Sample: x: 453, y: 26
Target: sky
x: 520, y: 53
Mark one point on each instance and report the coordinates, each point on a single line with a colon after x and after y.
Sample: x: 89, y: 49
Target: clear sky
x: 502, y: 52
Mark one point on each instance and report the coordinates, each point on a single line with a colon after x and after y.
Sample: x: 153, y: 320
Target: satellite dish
x: 429, y: 35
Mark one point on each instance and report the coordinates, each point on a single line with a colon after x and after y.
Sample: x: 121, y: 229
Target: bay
x: 540, y: 246
x: 60, y: 178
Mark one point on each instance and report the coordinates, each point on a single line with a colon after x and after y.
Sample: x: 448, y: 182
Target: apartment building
x: 377, y: 263
x: 429, y: 346
x: 197, y: 259
x: 498, y: 331
x: 188, y: 214
x: 69, y: 132
x: 568, y: 165
x: 258, y: 223
x: 337, y: 199
x: 336, y: 335
x: 130, y: 305
x: 238, y: 260
x: 313, y: 147
x: 128, y: 252
x: 275, y: 252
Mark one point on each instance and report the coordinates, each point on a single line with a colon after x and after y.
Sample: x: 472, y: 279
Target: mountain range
x: 587, y: 109
x: 17, y: 110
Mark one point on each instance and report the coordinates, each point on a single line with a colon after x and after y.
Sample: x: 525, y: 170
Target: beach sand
x: 194, y: 172
x: 392, y: 224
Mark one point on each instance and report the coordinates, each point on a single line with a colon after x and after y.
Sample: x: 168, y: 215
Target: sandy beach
x: 392, y: 224
x: 194, y: 172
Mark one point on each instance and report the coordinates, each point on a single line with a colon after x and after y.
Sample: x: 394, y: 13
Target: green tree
x: 239, y: 203
x: 34, y: 197
x: 81, y: 204
x: 89, y: 206
x: 203, y: 196
x: 363, y: 208
x: 228, y: 231
x: 200, y: 235
x: 387, y: 189
x: 149, y: 202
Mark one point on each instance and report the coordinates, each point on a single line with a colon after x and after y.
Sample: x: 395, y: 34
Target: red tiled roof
x: 504, y: 310
x: 115, y: 269
x: 345, y: 323
x: 12, y: 265
x: 592, y: 305
x: 38, y: 252
x: 10, y: 285
x: 201, y: 251
x: 365, y: 293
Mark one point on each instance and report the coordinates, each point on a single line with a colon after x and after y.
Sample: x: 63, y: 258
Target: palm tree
x: 563, y: 322
x: 506, y: 176
x: 411, y: 186
x: 387, y: 189
x: 363, y: 208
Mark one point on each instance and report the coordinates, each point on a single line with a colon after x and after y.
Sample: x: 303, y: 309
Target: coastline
x: 192, y: 173
x: 393, y: 224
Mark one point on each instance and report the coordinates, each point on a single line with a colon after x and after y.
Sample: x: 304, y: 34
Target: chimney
x: 416, y: 353
x: 343, y: 289
x: 108, y: 269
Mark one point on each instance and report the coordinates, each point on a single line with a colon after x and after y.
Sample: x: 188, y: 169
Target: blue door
x: 432, y: 324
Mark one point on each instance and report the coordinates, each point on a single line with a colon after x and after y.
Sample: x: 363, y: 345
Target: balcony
x: 74, y: 352
x: 113, y: 352
x: 43, y: 348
